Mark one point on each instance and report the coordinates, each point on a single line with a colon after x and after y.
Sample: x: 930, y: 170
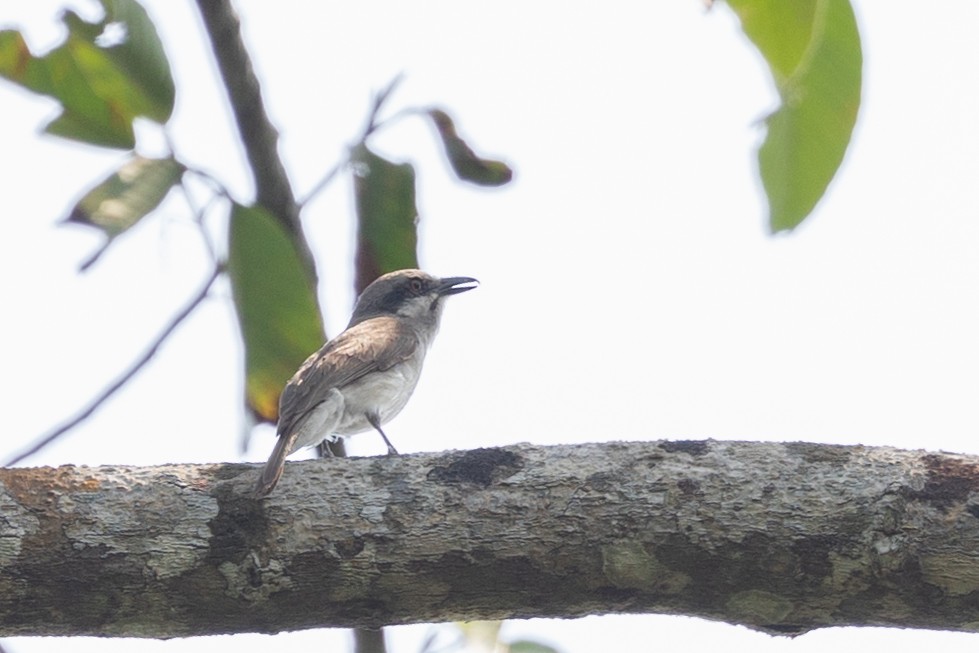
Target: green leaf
x: 276, y: 305
x: 480, y: 635
x: 102, y: 87
x: 126, y: 196
x: 387, y: 237
x: 485, y: 636
x: 813, y: 50
x: 527, y: 646
x: 465, y: 163
x: 142, y: 57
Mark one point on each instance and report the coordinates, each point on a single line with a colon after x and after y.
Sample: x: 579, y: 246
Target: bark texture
x: 783, y: 537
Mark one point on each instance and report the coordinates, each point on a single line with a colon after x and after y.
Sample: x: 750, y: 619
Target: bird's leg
x: 375, y: 421
x: 323, y: 449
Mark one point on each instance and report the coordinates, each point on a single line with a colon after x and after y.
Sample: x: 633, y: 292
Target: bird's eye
x: 415, y: 285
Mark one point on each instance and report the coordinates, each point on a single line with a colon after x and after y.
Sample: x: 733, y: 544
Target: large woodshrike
x: 364, y: 376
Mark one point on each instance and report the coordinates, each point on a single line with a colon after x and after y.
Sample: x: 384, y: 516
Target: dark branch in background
x: 126, y: 376
x: 257, y: 134
x: 368, y: 640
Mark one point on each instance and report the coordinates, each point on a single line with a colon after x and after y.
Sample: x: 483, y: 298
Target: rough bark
x: 780, y: 537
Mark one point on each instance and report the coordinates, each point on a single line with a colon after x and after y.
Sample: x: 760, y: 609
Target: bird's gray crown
x: 408, y: 293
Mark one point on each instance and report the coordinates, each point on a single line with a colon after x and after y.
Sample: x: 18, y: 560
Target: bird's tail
x: 273, y: 468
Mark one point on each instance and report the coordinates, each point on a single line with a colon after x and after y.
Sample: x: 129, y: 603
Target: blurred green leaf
x: 480, y: 635
x: 463, y: 160
x: 485, y: 636
x: 276, y: 304
x: 387, y: 237
x: 105, y: 74
x: 813, y: 50
x: 127, y: 195
x: 141, y: 55
x: 527, y: 646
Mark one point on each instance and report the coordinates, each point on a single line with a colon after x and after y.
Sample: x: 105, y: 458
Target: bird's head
x: 410, y: 294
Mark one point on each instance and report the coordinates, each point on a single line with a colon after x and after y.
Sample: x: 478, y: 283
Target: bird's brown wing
x: 375, y: 344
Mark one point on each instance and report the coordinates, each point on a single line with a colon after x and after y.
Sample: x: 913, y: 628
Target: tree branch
x: 369, y: 640
x: 780, y: 537
x: 258, y: 135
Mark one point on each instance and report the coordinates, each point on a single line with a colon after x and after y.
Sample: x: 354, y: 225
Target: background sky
x: 630, y: 290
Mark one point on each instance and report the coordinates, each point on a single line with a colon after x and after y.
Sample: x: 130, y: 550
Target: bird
x: 362, y: 378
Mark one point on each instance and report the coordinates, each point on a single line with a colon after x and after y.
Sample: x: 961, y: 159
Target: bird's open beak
x: 454, y: 285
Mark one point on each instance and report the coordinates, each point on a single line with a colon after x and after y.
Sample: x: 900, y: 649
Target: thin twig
x: 370, y: 127
x: 198, y: 212
x: 216, y: 186
x: 399, y: 115
x: 429, y: 642
x: 325, y: 181
x: 126, y: 376
x: 95, y: 256
x: 379, y: 101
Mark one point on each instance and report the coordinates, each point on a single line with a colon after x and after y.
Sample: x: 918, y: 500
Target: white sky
x: 630, y: 289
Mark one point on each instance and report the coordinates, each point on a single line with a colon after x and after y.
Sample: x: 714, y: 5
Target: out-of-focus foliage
x: 105, y: 74
x: 275, y: 301
x: 387, y: 235
x: 127, y: 195
x: 484, y: 637
x: 465, y: 163
x: 813, y: 50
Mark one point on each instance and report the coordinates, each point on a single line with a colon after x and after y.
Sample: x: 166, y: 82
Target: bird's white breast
x: 344, y: 410
x: 383, y: 392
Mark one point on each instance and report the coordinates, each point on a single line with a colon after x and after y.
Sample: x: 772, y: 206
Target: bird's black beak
x: 455, y: 285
